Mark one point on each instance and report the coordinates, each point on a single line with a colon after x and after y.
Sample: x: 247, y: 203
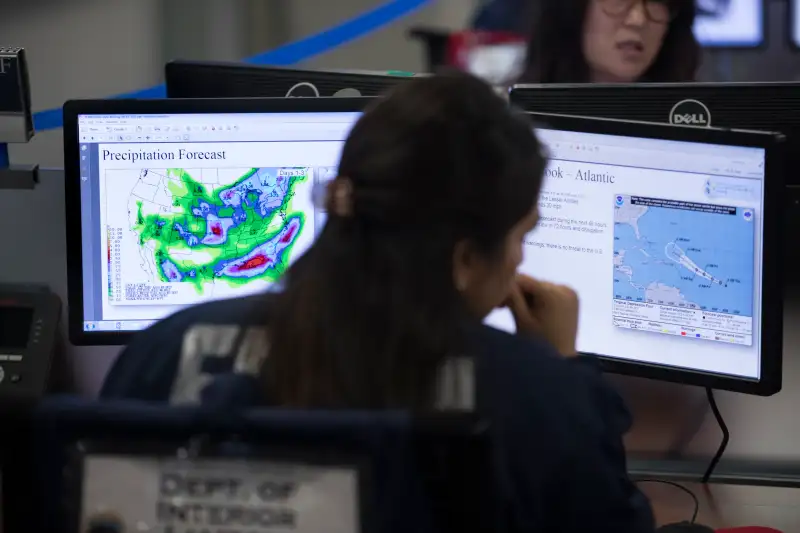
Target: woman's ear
x: 465, y: 264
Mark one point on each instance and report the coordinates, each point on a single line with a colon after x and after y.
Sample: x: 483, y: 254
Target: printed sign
x: 168, y: 495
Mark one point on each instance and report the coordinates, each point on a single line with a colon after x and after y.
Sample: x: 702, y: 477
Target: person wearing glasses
x: 612, y: 41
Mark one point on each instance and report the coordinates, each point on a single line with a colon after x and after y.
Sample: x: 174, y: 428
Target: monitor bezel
x: 72, y: 182
x: 519, y: 90
x: 771, y: 315
x: 176, y: 71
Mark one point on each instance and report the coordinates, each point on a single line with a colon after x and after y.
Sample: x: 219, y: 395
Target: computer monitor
x: 201, y: 79
x: 730, y: 23
x: 793, y: 21
x: 163, y: 217
x: 769, y: 106
x: 668, y: 236
x: 174, y: 202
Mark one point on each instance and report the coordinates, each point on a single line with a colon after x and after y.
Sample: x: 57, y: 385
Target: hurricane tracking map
x: 190, y: 234
x: 684, y: 268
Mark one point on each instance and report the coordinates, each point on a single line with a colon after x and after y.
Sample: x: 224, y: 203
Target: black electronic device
x: 175, y: 202
x: 436, y: 42
x: 16, y: 119
x: 201, y: 79
x: 16, y: 122
x: 768, y: 106
x: 29, y: 329
x: 668, y: 234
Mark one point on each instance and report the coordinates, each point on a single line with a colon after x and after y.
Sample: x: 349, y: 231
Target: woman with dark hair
x: 437, y: 188
x: 422, y: 244
x: 612, y: 41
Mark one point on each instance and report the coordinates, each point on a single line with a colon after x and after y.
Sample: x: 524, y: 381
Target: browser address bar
x: 302, y: 130
x: 281, y: 133
x: 658, y: 159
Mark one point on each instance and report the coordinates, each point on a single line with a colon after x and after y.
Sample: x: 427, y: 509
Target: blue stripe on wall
x: 285, y: 55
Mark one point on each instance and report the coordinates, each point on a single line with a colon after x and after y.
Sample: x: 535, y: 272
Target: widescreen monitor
x: 203, y: 79
x: 181, y: 202
x: 175, y: 202
x: 730, y: 23
x: 767, y: 106
x: 668, y: 236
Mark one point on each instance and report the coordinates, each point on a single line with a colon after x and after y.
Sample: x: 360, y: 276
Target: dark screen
x: 10, y: 94
x: 15, y: 326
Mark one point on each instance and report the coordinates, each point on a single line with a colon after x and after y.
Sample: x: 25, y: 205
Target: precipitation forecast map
x: 209, y: 227
x: 684, y: 254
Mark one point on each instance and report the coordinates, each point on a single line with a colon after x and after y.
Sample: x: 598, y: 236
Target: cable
x: 695, y: 500
x: 725, y: 435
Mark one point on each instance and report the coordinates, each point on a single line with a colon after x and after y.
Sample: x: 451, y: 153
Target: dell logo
x: 694, y: 120
x: 306, y: 89
x: 303, y: 90
x: 690, y: 112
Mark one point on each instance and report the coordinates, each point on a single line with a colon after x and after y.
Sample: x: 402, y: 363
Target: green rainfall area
x: 177, y: 235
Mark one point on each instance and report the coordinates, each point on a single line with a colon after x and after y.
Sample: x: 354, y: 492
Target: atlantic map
x: 210, y: 226
x: 684, y: 254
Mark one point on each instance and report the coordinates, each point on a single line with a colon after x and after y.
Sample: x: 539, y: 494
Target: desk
x: 727, y: 505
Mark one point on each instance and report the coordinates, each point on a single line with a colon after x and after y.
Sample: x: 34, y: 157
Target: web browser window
x: 661, y: 239
x: 181, y: 209
x: 662, y: 242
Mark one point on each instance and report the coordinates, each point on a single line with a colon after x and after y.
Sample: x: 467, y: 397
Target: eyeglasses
x: 658, y: 11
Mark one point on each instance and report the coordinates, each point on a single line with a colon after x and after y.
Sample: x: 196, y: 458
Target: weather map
x: 692, y: 262
x: 209, y: 229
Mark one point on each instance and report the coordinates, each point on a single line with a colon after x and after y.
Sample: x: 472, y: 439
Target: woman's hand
x: 546, y: 309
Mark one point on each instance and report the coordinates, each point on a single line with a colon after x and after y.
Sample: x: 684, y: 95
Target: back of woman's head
x: 567, y: 35
x: 436, y: 173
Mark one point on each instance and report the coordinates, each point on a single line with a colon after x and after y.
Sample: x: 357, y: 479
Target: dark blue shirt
x: 556, y: 424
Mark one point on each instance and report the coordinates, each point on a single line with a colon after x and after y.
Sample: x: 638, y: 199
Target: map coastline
x: 204, y: 231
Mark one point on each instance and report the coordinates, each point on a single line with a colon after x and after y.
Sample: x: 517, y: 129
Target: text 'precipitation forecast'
x: 684, y: 268
x: 205, y: 233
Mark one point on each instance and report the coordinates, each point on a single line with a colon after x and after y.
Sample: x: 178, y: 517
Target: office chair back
x: 383, y: 472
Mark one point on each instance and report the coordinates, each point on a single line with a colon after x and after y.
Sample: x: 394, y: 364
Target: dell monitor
x: 668, y: 236
x: 767, y: 106
x: 175, y: 202
x: 770, y: 106
x: 201, y: 79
